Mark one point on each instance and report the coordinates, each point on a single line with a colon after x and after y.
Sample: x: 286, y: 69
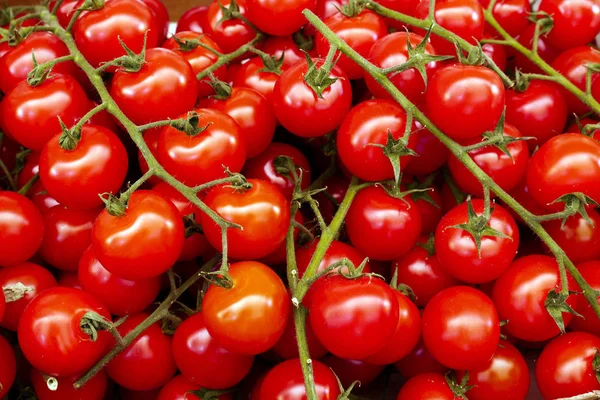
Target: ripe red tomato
x: 95, y: 389
x: 262, y: 212
x: 195, y: 20
x: 461, y: 328
x: 50, y: 334
x: 162, y: 17
x: 45, y: 46
x: 512, y: 15
x: 198, y: 356
x: 279, y: 256
x: 201, y: 158
x: 64, y: 11
x: 520, y: 294
x: 286, y: 47
x: 67, y: 235
x: 167, y: 76
x: 431, y: 153
x: 554, y: 171
x: 253, y: 113
x: 285, y: 381
x: 2, y: 306
x: 199, y: 58
x: 121, y: 296
x: 589, y: 322
x: 8, y: 367
x: 143, y: 243
x: 565, y: 368
x: 366, y: 124
x: 540, y: 111
x: 577, y: 237
x: 426, y: 386
x: 76, y: 177
x: 392, y: 50
x: 575, y: 23
x: 21, y: 228
x: 496, y: 52
x: 230, y: 34
x: 179, y: 388
x: 263, y: 167
x: 279, y: 18
x: 505, y: 377
x: 545, y: 50
x: 69, y: 279
x: 383, y: 227
x: 419, y: 361
x: 571, y: 64
x: 469, y: 94
x: 147, y: 363
x: 252, y: 75
x: 250, y: 317
x: 431, y: 214
x: 30, y: 114
x: 301, y: 111
x: 349, y: 371
x: 97, y: 34
x: 353, y: 318
x: 287, y: 346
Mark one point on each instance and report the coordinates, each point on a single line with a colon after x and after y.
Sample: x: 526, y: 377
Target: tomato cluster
x: 343, y: 236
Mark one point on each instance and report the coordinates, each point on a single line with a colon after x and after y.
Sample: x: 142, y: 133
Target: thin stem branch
x: 11, y: 180
x: 27, y: 187
x: 227, y: 58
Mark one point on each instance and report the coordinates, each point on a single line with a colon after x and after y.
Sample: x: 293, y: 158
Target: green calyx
x: 271, y: 63
x: 131, y: 62
x: 191, y: 226
x: 576, y: 204
x: 115, y: 206
x: 190, y: 125
x: 423, y: 190
x: 38, y: 74
x: 69, y: 139
x: 206, y: 394
x: 461, y: 388
x: 230, y: 12
x: 317, y: 78
x: 556, y: 305
x: 352, y: 8
x: 92, y: 323
x: 304, y: 43
x: 429, y: 246
x: 498, y: 139
x: 222, y: 89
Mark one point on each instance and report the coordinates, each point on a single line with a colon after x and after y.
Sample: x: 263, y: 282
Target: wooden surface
x: 175, y: 7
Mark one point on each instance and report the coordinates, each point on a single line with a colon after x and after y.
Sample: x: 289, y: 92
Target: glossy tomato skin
x: 540, y: 111
x: 2, y: 307
x: 577, y: 237
x: 50, y: 335
x: 262, y: 212
x: 431, y: 214
x: 278, y: 46
x: 287, y: 346
x: 381, y: 226
x: 301, y: 111
x: 279, y: 18
x: 251, y: 317
x: 35, y: 278
x: 199, y: 159
x: 64, y: 11
x: 419, y: 361
x: 546, y: 51
x: 150, y: 236
x: 21, y: 228
x: 76, y: 178
x: 97, y: 33
x: 15, y: 65
x: 95, y: 389
x: 368, y: 320
x: 368, y: 123
x: 432, y: 154
x: 285, y: 381
x: 198, y: 356
x: 519, y: 295
x: 349, y: 371
x: 178, y: 388
x: 199, y: 58
x: 70, y: 230
x: 147, y: 363
x: 589, y: 322
x: 571, y: 63
x: 506, y: 376
x: 575, y: 23
x: 229, y: 34
x: 425, y: 387
x: 263, y: 167
x: 195, y: 20
x: 121, y: 296
x: 250, y: 75
x: 510, y: 14
x: 29, y: 114
x: 554, y: 171
x: 8, y: 367
x: 253, y: 113
x: 167, y: 76
x: 461, y: 328
x: 162, y: 18
x: 565, y: 369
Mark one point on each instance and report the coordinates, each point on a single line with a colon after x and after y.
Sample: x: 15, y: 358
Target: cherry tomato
x: 382, y: 227
x: 69, y: 279
x: 230, y: 34
x: 589, y: 322
x: 286, y: 47
x: 496, y: 52
x: 95, y: 389
x: 143, y: 243
x: 30, y: 114
x: 512, y: 15
x: 545, y: 50
x: 179, y: 388
x: 426, y: 386
x: 64, y: 12
x: 565, y: 367
x: 262, y: 212
x: 392, y: 50
x: 368, y: 124
x: 419, y: 361
x: 279, y: 256
x: 302, y: 111
x: 51, y: 336
x: 349, y: 371
x: 67, y: 235
x: 279, y: 18
x: 21, y: 228
x: 201, y: 158
x: 167, y: 76
x: 575, y: 23
x: 254, y: 115
x: 198, y: 356
x: 98, y: 33
x: 250, y: 317
x: 577, y: 237
x: 429, y: 205
x: 252, y: 75
x: 469, y: 94
x: 147, y: 363
x: 8, y: 367
x: 287, y: 346
x: 263, y: 167
x: 195, y: 19
x: 162, y: 17
x: 431, y: 153
x: 199, y: 58
x: 353, y: 318
x: 554, y: 170
x: 285, y: 381
x: 2, y: 306
x: 520, y: 294
x: 76, y: 177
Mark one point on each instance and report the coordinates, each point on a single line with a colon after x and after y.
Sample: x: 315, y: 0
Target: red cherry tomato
x: 95, y: 389
x: 577, y: 237
x: 195, y: 19
x: 279, y: 18
x: 143, y: 243
x: 250, y: 317
x: 262, y: 212
x: 426, y: 386
x: 179, y: 388
x: 21, y: 228
x: 575, y: 23
x: 230, y: 34
x: 279, y: 256
x: 8, y: 367
x: 431, y: 214
x: 349, y: 371
x: 198, y: 355
x: 589, y: 322
x: 496, y: 52
x: 419, y: 361
x: 545, y: 50
x: 252, y: 75
x: 287, y: 346
x: 69, y: 279
x: 162, y: 17
x: 147, y: 363
x: 512, y: 15
x: 50, y: 334
x: 286, y: 47
x: 64, y: 12
x: 431, y: 153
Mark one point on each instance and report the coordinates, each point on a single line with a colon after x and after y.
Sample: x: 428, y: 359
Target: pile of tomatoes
x: 427, y: 290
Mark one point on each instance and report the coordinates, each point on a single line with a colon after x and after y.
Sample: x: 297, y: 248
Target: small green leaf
x: 556, y: 305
